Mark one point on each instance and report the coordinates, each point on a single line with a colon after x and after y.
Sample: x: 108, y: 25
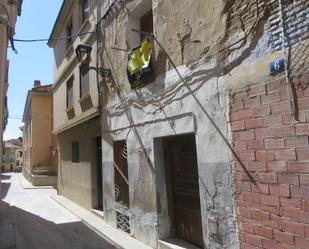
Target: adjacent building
x: 196, y: 134
x: 40, y: 145
x: 9, y: 11
x: 77, y: 122
x: 13, y: 155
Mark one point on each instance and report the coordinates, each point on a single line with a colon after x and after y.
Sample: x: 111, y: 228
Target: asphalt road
x: 29, y: 219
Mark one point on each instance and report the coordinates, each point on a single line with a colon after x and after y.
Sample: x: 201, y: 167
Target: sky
x: 34, y: 61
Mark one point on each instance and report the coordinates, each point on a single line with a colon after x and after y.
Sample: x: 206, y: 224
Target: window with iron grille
x: 69, y: 93
x: 121, y: 173
x: 84, y: 79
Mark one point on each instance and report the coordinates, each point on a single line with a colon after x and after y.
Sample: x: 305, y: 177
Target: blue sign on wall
x: 277, y: 66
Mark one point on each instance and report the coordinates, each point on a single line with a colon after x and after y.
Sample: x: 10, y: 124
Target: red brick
x: 301, y: 242
x: 272, y: 97
x: 270, y: 244
x: 254, y: 123
x: 284, y: 237
x: 263, y: 232
x: 302, y: 154
x: 270, y: 200
x: 275, y: 85
x: 279, y: 190
x: 292, y: 213
x: 285, y: 155
x: 305, y: 205
x: 282, y: 107
x: 255, y: 145
x: 293, y: 227
x: 301, y: 192
x: 298, y: 167
x: 238, y: 125
x: 253, y: 240
x: 272, y: 120
x: 268, y: 177
x: 252, y: 101
x: 251, y: 197
x: 307, y: 231
x: 302, y: 129
x: 238, y: 105
x: 274, y: 222
x: 274, y: 143
x: 240, y: 145
x: 297, y: 142
x: 246, y: 135
x: 288, y: 179
x: 244, y: 212
x: 257, y: 90
x: 283, y: 131
x: 247, y: 246
x: 248, y: 156
x: 241, y: 114
x: 246, y: 227
x: 260, y: 188
x: 304, y: 179
x: 290, y: 202
x: 261, y: 133
x: 260, y: 111
x: 259, y: 215
x: 265, y: 155
x: 288, y: 118
x: 244, y: 186
x: 303, y: 103
x: 257, y: 166
x: 277, y: 166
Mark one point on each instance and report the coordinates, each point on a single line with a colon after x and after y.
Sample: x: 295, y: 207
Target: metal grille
x: 123, y: 222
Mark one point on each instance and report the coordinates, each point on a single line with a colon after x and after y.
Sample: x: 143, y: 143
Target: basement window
x: 121, y: 173
x: 75, y: 152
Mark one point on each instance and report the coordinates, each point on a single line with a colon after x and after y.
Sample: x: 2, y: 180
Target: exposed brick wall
x: 274, y: 147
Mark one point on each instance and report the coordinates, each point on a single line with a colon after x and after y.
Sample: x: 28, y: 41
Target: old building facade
x: 39, y: 144
x: 13, y: 154
x: 76, y: 105
x: 203, y: 121
x: 9, y: 12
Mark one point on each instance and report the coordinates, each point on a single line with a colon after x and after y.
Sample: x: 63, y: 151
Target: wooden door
x: 184, y: 188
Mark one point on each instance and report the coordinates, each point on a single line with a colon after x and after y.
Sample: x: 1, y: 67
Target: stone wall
x: 273, y: 146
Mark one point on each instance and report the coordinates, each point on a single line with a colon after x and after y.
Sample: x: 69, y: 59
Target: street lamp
x: 83, y: 52
x: 4, y: 15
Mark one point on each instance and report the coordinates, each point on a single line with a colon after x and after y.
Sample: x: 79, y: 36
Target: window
x: 84, y: 79
x: 85, y: 10
x: 121, y: 173
x: 146, y: 23
x: 69, y: 32
x: 75, y: 152
x: 70, y: 92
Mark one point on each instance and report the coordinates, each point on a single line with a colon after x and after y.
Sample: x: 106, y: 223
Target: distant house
x: 40, y: 145
x: 13, y: 152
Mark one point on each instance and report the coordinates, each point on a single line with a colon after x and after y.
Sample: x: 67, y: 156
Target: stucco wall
x: 77, y: 181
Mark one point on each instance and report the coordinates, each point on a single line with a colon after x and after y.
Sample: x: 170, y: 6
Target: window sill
x: 83, y: 98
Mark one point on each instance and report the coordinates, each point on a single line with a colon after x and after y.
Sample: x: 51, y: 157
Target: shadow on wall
x: 31, y: 231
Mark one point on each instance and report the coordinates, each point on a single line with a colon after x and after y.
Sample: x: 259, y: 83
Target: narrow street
x: 29, y: 219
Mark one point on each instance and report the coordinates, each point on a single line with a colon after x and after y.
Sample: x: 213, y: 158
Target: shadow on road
x: 34, y: 232
x: 4, y: 190
x: 5, y: 177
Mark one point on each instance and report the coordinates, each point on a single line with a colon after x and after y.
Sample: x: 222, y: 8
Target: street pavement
x: 30, y: 219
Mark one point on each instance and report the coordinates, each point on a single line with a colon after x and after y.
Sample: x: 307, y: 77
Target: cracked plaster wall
x: 190, y: 31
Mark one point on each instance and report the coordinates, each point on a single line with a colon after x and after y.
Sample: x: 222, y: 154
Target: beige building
x: 76, y: 106
x: 40, y: 145
x: 9, y: 10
